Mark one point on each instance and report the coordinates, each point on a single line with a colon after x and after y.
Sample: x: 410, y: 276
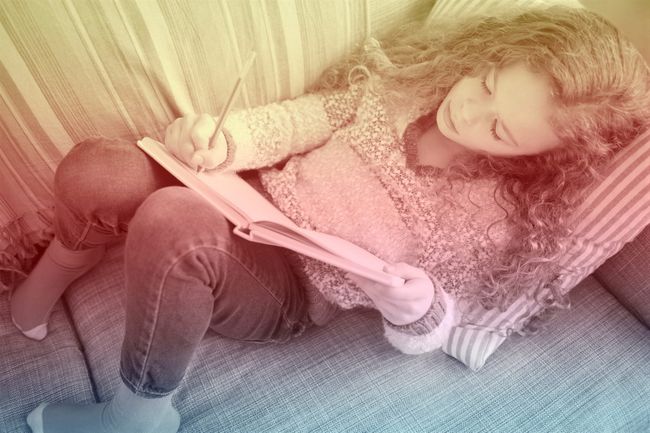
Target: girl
x: 455, y: 153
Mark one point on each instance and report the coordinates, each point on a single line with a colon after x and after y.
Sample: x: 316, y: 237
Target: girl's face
x: 504, y: 112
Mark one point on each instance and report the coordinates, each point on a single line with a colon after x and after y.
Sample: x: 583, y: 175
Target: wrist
x: 225, y: 145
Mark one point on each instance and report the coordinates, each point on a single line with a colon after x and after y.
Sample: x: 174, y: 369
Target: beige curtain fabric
x: 71, y: 69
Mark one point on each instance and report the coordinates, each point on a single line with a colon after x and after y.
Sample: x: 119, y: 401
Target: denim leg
x: 186, y: 272
x: 97, y: 188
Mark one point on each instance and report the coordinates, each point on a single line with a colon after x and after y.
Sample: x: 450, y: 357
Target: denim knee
x: 100, y: 183
x: 101, y: 174
x: 180, y: 248
x: 173, y: 219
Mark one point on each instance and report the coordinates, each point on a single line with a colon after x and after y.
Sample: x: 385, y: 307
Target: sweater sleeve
x: 428, y: 333
x: 265, y: 135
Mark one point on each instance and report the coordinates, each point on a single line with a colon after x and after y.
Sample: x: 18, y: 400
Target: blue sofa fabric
x: 587, y: 372
x: 626, y: 276
x: 32, y: 372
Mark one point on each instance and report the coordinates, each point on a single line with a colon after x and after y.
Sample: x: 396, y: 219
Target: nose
x: 473, y: 112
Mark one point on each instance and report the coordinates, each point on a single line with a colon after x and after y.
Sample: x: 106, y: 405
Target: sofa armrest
x: 627, y: 276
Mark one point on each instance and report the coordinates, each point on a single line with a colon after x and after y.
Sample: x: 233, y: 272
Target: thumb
x: 209, y: 158
x: 197, y: 160
x: 360, y: 281
x: 355, y: 278
x: 404, y: 270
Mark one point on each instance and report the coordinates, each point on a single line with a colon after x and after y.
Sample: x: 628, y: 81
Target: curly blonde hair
x: 601, y: 91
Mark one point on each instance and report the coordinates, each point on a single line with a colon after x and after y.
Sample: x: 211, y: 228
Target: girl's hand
x: 400, y: 305
x: 191, y: 139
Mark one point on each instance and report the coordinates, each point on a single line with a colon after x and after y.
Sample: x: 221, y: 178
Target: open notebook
x: 258, y: 220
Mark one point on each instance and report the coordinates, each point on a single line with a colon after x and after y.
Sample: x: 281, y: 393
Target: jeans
x: 185, y: 271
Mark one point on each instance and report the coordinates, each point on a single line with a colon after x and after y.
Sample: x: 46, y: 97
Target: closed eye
x: 485, y: 87
x: 493, y: 131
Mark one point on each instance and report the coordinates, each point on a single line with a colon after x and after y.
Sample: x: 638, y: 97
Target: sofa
x: 588, y: 371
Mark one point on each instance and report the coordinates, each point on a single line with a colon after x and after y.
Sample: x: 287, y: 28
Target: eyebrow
x: 503, y: 124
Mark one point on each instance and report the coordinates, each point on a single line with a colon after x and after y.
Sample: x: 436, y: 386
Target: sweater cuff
x: 240, y: 148
x: 429, y: 332
x: 230, y: 151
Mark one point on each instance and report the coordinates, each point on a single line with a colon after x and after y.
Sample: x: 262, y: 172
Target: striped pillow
x: 614, y: 213
x: 456, y: 9
x: 74, y: 69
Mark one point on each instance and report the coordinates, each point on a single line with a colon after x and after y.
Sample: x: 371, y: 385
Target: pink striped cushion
x: 614, y: 213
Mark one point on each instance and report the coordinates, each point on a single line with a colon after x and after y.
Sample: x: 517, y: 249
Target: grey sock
x: 129, y: 411
x: 125, y: 413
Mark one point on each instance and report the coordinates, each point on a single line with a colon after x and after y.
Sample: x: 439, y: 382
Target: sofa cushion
x: 587, y: 373
x: 32, y: 372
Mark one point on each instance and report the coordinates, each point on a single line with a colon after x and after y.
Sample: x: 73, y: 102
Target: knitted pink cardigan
x: 348, y: 170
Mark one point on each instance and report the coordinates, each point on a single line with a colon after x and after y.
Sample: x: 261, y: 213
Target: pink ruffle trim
x: 22, y: 241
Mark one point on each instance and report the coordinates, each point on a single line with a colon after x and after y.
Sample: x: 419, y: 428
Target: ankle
x: 129, y: 411
x: 34, y: 299
x: 74, y: 260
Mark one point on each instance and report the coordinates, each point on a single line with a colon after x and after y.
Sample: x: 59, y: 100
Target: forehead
x: 525, y: 103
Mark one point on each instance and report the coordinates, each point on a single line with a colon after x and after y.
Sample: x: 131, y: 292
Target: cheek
x: 471, y: 86
x: 460, y: 88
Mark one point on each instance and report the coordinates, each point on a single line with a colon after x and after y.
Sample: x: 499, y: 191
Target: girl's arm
x: 265, y: 135
x: 428, y: 333
x: 419, y: 315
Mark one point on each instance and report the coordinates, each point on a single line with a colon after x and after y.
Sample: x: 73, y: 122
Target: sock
x: 128, y: 411
x: 33, y: 300
x: 125, y: 413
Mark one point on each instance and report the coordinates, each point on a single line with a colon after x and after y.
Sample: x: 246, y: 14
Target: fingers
x: 214, y: 155
x: 177, y: 139
x: 358, y: 279
x: 209, y: 158
x: 382, y: 293
x: 185, y: 146
x: 399, y: 305
x: 405, y: 271
x: 202, y: 131
x: 370, y: 287
x: 190, y: 134
x: 201, y: 134
x: 417, y: 284
x: 172, y: 135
